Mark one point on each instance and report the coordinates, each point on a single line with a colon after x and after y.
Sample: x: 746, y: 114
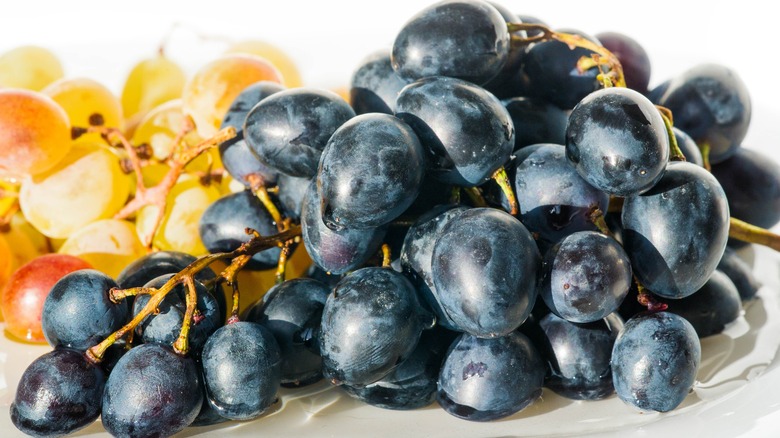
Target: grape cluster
x: 495, y: 208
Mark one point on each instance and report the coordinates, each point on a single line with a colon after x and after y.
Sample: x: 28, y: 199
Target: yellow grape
x: 83, y: 99
x: 34, y: 133
x: 29, y: 67
x: 27, y: 242
x: 209, y: 93
x: 86, y: 186
x: 160, y: 127
x: 179, y: 228
x: 150, y: 83
x: 108, y: 245
x: 289, y: 71
x: 6, y: 263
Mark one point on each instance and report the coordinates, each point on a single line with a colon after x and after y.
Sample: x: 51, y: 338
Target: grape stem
x: 741, y: 230
x: 596, y: 216
x: 602, y: 57
x: 501, y: 178
x: 675, y: 154
x: 475, y: 196
x: 238, y: 259
x: 158, y: 195
x: 646, y: 299
x: 386, y: 255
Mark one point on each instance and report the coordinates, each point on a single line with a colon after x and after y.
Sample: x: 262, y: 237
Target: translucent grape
x: 151, y: 82
x: 179, y: 228
x: 86, y: 186
x: 209, y: 93
x: 34, y: 132
x: 29, y: 67
x: 84, y: 100
x: 27, y: 242
x: 108, y: 245
x: 286, y: 66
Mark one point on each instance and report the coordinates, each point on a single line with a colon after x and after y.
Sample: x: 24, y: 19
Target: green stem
x: 502, y: 179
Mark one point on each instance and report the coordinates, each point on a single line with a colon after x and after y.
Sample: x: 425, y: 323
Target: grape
x: 237, y: 157
x: 632, y: 56
x: 291, y: 311
x: 59, y: 393
x: 579, y: 358
x: 536, y: 121
x: 34, y: 132
x: 208, y: 94
x: 413, y: 383
x: 85, y: 100
x: 29, y: 67
x: 484, y: 267
x: 288, y: 70
x: 370, y: 172
x: 676, y: 232
x: 78, y: 312
x: 488, y: 379
x: 507, y: 83
x: 27, y: 243
x: 86, y: 186
x: 288, y: 130
x: 552, y: 74
x: 151, y: 82
x: 375, y: 85
x: 712, y: 307
x: 751, y: 181
x: 712, y: 105
x: 554, y: 200
x: 179, y: 228
x: 467, y: 132
x: 585, y: 277
x: 617, y: 141
x: 152, y: 391
x: 108, y: 245
x: 147, y: 268
x: 223, y: 227
x: 417, y: 255
x: 688, y: 147
x: 24, y: 294
x: 371, y: 322
x: 654, y: 361
x: 241, y: 370
x: 335, y: 251
x: 292, y: 192
x: 740, y: 273
x: 461, y: 39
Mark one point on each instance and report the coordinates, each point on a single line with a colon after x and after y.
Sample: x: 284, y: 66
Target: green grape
x: 108, y: 245
x: 150, y: 83
x: 86, y: 186
x: 274, y: 55
x: 29, y: 67
x: 86, y: 102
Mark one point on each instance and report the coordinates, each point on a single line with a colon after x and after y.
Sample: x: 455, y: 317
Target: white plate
x: 735, y: 395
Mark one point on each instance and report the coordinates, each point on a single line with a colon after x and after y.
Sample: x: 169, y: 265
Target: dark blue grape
x: 413, y: 383
x: 375, y: 85
x: 712, y: 105
x: 688, y: 147
x: 552, y: 74
x: 292, y: 311
x: 710, y: 308
x: 241, y: 370
x: 238, y: 159
x: 467, y: 132
x: 751, y: 181
x: 632, y: 56
x: 658, y: 91
x: 740, y: 273
x: 316, y: 273
x: 417, y: 254
x: 223, y: 227
x: 617, y: 141
x: 370, y: 172
x: 676, y: 232
x: 288, y: 130
x: 485, y: 265
x: 461, y: 39
x: 655, y: 360
x: 507, y: 82
x: 78, y: 312
x: 59, y: 393
x: 585, y: 277
x: 292, y: 190
x: 536, y: 121
x: 488, y: 379
x: 371, y: 322
x: 578, y: 356
x: 554, y: 199
x: 164, y: 325
x: 152, y: 392
x: 335, y: 251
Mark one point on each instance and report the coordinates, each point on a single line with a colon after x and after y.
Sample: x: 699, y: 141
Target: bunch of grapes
x: 496, y: 207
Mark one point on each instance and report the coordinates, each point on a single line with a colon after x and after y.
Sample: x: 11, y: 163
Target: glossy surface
x: 712, y: 307
x: 375, y: 85
x: 632, y: 56
x: 536, y: 121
